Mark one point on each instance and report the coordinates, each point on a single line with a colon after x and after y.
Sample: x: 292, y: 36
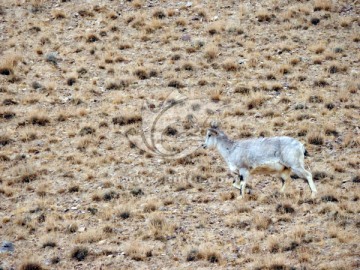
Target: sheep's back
x: 255, y: 152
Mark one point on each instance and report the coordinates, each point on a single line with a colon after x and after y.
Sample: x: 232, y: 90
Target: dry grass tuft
x: 315, y: 99
x: 128, y: 119
x: 119, y: 84
x: 159, y: 227
x: 138, y: 251
x: 141, y: 73
x: 5, y: 139
x: 263, y: 15
x: 204, y: 252
x: 325, y: 5
x: 273, y: 244
x: 285, y: 209
x: 242, y: 89
x: 261, y: 222
x: 188, y: 66
x: 330, y: 129
x: 255, y: 100
x: 79, y: 253
x: 151, y: 205
x: 39, y: 118
x: 58, y: 14
x: 351, y: 141
x: 8, y: 64
x: 31, y: 266
x: 76, y: 77
x: 27, y: 174
x: 321, y: 82
x: 176, y: 84
x: 183, y: 185
x: 315, y: 138
x: 124, y: 212
x: 211, y: 52
x: 89, y: 236
x: 92, y: 38
x: 215, y: 28
x: 215, y: 96
x: 230, y: 65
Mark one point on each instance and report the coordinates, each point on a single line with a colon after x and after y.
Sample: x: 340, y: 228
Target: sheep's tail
x: 306, y: 153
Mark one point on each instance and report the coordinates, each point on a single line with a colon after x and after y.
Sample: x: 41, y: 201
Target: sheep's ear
x: 214, y: 124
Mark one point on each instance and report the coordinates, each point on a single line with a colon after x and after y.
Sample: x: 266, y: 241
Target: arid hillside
x: 103, y: 107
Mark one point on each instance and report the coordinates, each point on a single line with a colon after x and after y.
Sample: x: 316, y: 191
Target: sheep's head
x: 211, y: 138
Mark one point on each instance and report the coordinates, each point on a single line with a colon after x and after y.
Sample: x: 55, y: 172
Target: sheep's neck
x: 224, y: 146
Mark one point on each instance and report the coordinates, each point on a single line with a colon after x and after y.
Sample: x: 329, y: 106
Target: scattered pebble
x: 6, y: 246
x: 52, y: 57
x: 315, y: 21
x: 186, y: 38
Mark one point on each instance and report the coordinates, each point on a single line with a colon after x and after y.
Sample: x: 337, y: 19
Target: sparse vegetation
x: 126, y: 119
x: 175, y: 84
x: 263, y: 16
x: 137, y: 251
x: 254, y: 101
x: 211, y: 52
x: 5, y: 139
x: 79, y: 253
x: 8, y: 64
x: 316, y: 138
x: 230, y: 65
x: 39, y: 118
x: 215, y: 96
x: 31, y: 266
x: 80, y: 78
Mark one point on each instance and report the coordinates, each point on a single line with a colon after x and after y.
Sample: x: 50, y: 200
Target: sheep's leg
x: 304, y: 174
x: 285, y: 177
x: 244, y: 175
x: 237, y: 181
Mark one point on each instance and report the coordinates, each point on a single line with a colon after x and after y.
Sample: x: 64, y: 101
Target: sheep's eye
x: 209, y: 135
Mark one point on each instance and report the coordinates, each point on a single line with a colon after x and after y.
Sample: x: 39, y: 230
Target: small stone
x: 137, y: 192
x: 299, y: 106
x: 5, y: 71
x: 315, y: 21
x: 189, y: 4
x: 40, y: 143
x: 186, y: 38
x: 356, y: 179
x: 86, y: 131
x: 6, y: 246
x: 52, y: 57
x: 36, y: 85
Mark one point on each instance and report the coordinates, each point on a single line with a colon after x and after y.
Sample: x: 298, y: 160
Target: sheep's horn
x: 214, y: 124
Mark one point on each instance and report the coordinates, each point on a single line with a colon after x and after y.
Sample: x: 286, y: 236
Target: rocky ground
x: 80, y: 81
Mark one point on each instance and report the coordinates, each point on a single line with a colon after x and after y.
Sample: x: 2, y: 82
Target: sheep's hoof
x: 313, y: 195
x: 240, y: 197
x: 236, y: 185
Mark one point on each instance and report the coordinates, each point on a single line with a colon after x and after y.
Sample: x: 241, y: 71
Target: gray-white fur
x: 273, y: 155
